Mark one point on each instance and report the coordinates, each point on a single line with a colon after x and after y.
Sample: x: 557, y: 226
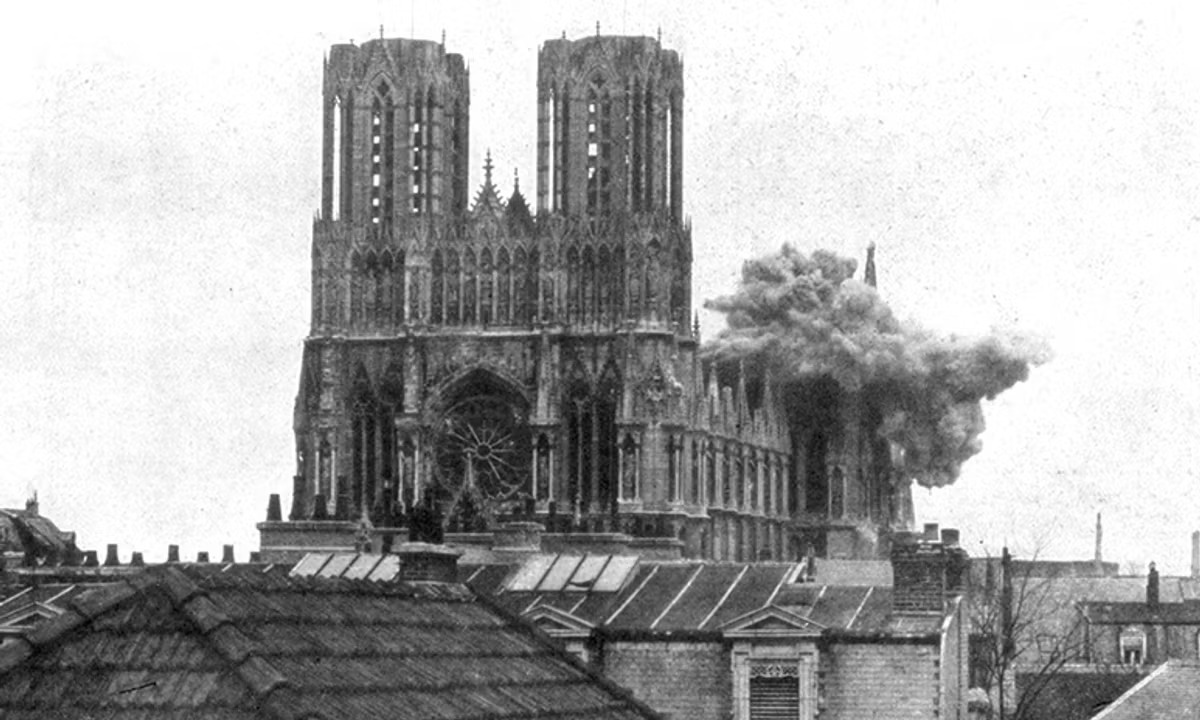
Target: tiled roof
x: 1171, y: 691
x: 181, y: 642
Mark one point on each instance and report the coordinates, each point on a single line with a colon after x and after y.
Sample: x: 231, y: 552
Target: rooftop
x: 199, y: 642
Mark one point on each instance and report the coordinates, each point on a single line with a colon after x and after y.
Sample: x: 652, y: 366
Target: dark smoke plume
x: 801, y: 318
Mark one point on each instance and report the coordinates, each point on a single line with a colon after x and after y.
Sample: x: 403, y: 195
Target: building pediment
x: 558, y: 623
x: 771, y: 621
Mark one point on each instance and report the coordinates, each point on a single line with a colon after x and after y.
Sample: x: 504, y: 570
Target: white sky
x: 1019, y: 164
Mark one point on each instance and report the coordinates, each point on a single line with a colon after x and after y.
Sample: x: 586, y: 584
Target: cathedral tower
x: 396, y: 132
x: 484, y: 362
x: 610, y: 127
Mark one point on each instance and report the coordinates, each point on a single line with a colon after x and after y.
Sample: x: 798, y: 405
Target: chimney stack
x: 202, y: 556
x: 426, y: 562
x: 227, y: 554
x: 110, y: 557
x: 928, y: 569
x: 172, y: 553
x: 298, y: 503
x: 274, y: 513
x: 1152, y: 587
x: 137, y: 560
x: 90, y: 560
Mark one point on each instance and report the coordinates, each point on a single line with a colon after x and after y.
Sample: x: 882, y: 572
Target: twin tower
x: 474, y: 360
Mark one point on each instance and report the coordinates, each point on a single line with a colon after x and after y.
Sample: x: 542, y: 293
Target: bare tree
x: 1022, y: 628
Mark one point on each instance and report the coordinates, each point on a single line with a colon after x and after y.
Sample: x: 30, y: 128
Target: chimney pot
x: 274, y: 511
x: 931, y: 532
x: 255, y: 556
x: 202, y: 556
x: 136, y: 560
x: 227, y: 554
x: 110, y: 557
x: 950, y: 537
x: 172, y: 553
x: 90, y: 559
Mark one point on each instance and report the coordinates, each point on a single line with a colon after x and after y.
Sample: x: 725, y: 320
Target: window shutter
x: 774, y: 692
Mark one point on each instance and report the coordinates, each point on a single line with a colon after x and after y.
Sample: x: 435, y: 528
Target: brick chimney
x: 426, y: 562
x: 274, y: 511
x: 1152, y: 587
x: 928, y: 569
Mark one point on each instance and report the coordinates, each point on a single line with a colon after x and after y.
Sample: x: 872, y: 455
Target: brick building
x: 492, y: 359
x: 696, y: 639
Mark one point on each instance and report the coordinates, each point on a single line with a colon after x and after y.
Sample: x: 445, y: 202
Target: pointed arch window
x: 469, y: 279
x: 694, y: 487
x: 435, y: 289
x: 599, y: 147
x: 383, y: 148
x: 356, y: 289
x: 604, y: 286
x: 486, y: 287
x: 452, y: 288
x: 336, y: 157
x: 418, y: 133
x: 503, y: 288
x: 587, y: 289
x: 521, y: 282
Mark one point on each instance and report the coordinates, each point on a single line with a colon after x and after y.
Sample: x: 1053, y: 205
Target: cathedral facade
x: 490, y: 361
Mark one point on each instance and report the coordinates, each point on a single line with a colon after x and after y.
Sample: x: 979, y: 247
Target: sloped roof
x: 1171, y: 691
x: 1120, y: 613
x: 178, y: 643
x: 39, y: 534
x: 620, y: 593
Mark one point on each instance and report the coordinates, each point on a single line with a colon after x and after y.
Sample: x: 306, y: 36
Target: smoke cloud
x: 802, y: 318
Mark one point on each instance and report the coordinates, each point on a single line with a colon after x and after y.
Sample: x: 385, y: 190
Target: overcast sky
x: 1028, y: 165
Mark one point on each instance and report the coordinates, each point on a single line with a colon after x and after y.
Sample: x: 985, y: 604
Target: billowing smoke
x: 804, y: 318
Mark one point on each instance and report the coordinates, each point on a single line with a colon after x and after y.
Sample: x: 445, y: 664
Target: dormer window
x: 1132, y: 646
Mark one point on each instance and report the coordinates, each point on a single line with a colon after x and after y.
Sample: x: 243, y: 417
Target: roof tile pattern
x: 1171, y: 691
x: 174, y: 644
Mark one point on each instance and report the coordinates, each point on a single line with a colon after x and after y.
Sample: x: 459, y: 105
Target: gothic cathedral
x: 494, y: 362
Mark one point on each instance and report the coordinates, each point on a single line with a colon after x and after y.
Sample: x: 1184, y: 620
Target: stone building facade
x: 488, y: 360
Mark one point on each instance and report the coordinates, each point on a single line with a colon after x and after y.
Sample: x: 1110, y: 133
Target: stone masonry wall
x: 873, y: 680
x: 682, y: 680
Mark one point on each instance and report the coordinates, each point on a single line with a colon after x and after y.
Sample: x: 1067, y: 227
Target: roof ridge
x: 1130, y: 692
x: 81, y: 610
x: 192, y: 599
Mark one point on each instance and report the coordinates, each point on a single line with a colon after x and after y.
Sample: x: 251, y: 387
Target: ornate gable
x: 771, y: 621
